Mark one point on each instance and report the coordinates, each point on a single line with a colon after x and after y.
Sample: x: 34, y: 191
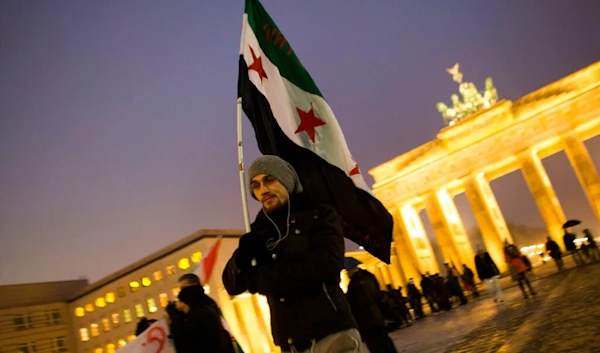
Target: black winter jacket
x: 486, y: 268
x: 365, y: 300
x: 301, y: 282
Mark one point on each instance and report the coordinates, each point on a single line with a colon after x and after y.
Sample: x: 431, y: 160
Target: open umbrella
x: 571, y: 223
x: 350, y: 262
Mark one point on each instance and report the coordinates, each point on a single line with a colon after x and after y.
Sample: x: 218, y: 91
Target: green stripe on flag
x: 277, y: 48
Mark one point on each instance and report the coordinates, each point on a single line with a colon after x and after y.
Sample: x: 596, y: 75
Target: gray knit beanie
x: 279, y: 169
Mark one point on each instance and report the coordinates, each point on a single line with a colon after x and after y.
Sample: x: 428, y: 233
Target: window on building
x: 171, y: 269
x: 94, y: 330
x: 151, y: 303
x: 80, y: 312
x: 84, y: 334
x: 23, y: 322
x: 60, y: 344
x: 139, y: 310
x: 89, y: 308
x: 176, y: 291
x: 134, y: 286
x: 163, y: 298
x: 110, y: 348
x: 196, y: 257
x: 121, y: 292
x: 115, y: 320
x: 158, y: 275
x: 146, y: 282
x: 110, y: 297
x: 98, y: 350
x: 184, y: 263
x: 105, y: 325
x: 130, y: 338
x: 26, y: 348
x: 127, y: 315
x: 53, y: 317
x: 121, y: 343
x: 100, y: 302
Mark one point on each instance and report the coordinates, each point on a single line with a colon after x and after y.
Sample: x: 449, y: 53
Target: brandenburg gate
x: 485, y: 139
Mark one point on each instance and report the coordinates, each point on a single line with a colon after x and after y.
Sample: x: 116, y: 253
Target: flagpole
x: 241, y: 165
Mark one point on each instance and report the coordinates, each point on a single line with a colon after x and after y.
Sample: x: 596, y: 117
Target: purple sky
x: 117, y: 119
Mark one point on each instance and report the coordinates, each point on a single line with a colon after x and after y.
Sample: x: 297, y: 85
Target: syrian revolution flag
x: 292, y: 119
x: 154, y: 340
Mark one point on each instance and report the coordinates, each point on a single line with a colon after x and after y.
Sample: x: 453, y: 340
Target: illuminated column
x: 489, y: 217
x: 396, y: 272
x: 261, y: 320
x: 412, y: 245
x: 543, y: 193
x: 449, y: 230
x: 585, y: 170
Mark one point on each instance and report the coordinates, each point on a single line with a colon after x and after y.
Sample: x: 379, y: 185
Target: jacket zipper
x: 328, y: 297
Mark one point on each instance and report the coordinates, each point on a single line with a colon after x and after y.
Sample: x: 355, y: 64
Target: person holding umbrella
x: 569, y: 240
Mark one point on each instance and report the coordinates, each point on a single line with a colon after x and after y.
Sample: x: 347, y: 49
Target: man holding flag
x: 294, y: 255
x: 312, y: 192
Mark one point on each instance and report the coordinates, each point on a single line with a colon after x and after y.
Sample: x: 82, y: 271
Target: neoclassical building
x: 475, y: 149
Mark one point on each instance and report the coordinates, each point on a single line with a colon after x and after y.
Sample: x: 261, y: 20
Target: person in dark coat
x: 488, y: 272
x: 454, y: 286
x: 594, y: 252
x: 364, y: 298
x: 195, y: 326
x: 555, y: 253
x: 414, y: 298
x: 293, y: 255
x: 428, y: 288
x: 514, y: 258
x: 469, y: 278
x: 569, y: 240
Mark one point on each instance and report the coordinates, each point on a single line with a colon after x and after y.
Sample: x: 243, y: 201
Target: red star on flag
x: 257, y: 66
x: 308, y: 122
x: 355, y: 171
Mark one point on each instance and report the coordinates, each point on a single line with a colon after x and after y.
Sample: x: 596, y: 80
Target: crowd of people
x: 294, y: 254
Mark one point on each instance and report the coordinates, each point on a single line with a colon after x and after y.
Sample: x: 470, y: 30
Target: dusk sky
x: 117, y: 118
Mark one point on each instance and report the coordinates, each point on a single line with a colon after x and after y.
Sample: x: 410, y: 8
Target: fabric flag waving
x: 291, y: 119
x: 205, y: 267
x: 154, y: 340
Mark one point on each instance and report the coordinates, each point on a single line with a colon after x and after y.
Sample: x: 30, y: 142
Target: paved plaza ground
x: 563, y: 317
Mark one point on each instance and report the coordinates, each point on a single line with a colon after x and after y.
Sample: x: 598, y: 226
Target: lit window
x: 151, y: 305
x: 100, y: 302
x: 158, y: 275
x: 98, y: 350
x: 171, y: 269
x: 127, y: 315
x: 146, y: 281
x: 110, y: 348
x: 84, y: 334
x: 134, y: 286
x: 184, y: 263
x: 206, y: 289
x: 94, y: 330
x: 60, y: 344
x: 139, y: 310
x: 89, y: 308
x: 53, y: 317
x: 164, y: 299
x: 122, y: 343
x: 176, y: 291
x: 121, y: 292
x: 27, y: 348
x: 110, y: 297
x: 23, y: 322
x: 105, y: 325
x: 196, y: 257
x: 130, y: 338
x: 115, y: 320
x: 79, y: 312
